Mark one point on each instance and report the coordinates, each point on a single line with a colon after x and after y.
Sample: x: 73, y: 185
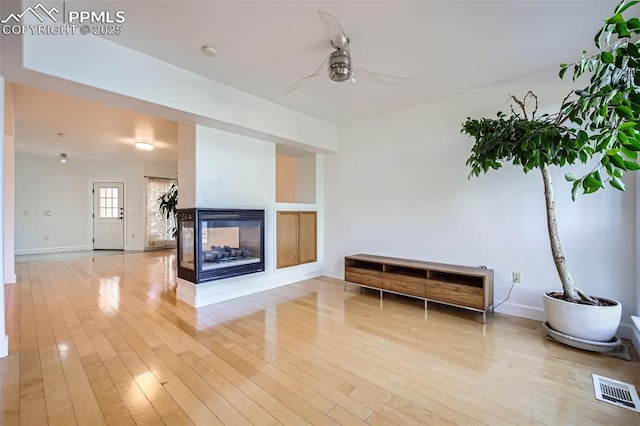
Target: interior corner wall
x: 398, y: 186
x: 9, y: 197
x: 4, y: 339
x: 9, y: 194
x: 45, y: 184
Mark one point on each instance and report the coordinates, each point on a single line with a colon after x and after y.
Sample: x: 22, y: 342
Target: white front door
x: 108, y: 216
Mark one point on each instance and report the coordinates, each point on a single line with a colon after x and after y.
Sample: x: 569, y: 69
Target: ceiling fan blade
x: 321, y: 71
x: 362, y: 75
x: 334, y: 30
x: 299, y: 84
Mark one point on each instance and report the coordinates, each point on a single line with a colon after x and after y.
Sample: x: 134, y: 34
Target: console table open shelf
x: 461, y: 286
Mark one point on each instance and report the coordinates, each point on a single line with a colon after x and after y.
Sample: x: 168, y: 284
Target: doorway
x: 108, y: 216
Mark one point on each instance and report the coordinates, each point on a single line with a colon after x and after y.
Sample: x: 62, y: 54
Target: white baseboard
x: 625, y: 331
x: 134, y: 248
x: 10, y: 278
x: 4, y: 346
x: 46, y: 250
x: 523, y: 311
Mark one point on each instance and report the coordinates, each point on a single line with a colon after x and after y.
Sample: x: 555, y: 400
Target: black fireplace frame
x: 198, y: 275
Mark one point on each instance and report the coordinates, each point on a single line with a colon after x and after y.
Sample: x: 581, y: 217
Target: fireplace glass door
x: 227, y: 243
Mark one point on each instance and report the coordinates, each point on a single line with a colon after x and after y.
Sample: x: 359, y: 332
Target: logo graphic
x: 34, y: 11
x: 71, y: 21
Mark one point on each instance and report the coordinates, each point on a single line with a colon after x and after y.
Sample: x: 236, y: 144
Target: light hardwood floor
x: 103, y: 341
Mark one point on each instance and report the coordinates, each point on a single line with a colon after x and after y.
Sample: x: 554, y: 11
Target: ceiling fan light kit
x: 338, y: 64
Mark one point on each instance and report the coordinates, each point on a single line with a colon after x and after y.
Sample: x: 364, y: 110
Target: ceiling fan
x: 338, y: 65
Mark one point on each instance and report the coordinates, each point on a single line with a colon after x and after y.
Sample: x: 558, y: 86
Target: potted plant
x: 597, y: 124
x: 168, y: 203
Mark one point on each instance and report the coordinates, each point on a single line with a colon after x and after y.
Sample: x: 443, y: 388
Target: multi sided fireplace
x: 214, y: 244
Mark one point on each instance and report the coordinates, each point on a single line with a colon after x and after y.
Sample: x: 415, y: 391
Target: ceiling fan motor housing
x: 340, y: 66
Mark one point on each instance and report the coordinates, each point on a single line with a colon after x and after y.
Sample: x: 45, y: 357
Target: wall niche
x: 296, y: 178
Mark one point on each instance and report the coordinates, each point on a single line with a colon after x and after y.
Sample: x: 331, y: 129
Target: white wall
x: 186, y: 165
x: 45, y: 184
x: 4, y: 339
x: 9, y: 193
x: 636, y: 328
x: 398, y: 186
x: 305, y: 175
x: 233, y: 170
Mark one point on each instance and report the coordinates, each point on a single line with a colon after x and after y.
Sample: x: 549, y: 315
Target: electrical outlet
x: 515, y: 277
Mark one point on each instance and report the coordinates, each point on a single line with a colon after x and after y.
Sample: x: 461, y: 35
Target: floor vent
x: 617, y: 393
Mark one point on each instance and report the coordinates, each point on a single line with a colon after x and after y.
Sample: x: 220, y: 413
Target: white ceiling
x: 93, y: 131
x: 445, y: 47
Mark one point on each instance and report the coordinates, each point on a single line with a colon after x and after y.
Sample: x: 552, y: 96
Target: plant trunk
x: 568, y: 286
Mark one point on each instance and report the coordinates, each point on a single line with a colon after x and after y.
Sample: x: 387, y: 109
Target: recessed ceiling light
x: 64, y: 158
x: 209, y: 50
x: 144, y: 145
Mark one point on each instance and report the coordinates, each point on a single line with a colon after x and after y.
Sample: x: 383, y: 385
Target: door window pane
x: 109, y: 203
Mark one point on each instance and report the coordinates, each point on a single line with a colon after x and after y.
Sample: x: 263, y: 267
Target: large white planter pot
x: 595, y: 323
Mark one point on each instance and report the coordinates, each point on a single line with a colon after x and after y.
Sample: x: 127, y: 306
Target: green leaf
x: 622, y: 8
x: 632, y: 165
x: 617, y: 183
x: 629, y: 154
x: 622, y: 30
x: 569, y: 177
x: 633, y: 23
x: 615, y: 19
x: 582, y: 137
x: 563, y: 70
x: 626, y: 126
x: 634, y: 144
x: 617, y: 160
x: 591, y: 182
x: 623, y: 138
x: 603, y: 111
x: 574, y: 189
x: 596, y: 39
x: 606, y: 57
x: 625, y: 111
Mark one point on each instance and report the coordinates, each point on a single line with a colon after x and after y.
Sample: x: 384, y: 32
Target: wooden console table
x: 461, y: 286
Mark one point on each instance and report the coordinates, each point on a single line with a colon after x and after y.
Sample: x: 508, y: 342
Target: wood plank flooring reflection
x: 103, y: 341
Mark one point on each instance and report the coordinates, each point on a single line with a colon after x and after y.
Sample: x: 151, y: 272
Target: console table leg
x: 484, y: 317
